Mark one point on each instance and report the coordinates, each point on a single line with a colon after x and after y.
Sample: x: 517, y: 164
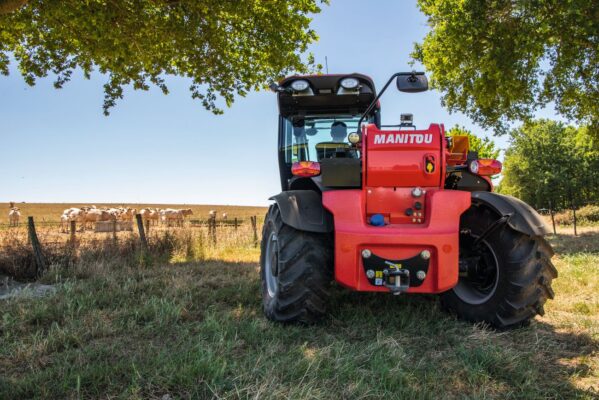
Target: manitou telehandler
x: 392, y: 209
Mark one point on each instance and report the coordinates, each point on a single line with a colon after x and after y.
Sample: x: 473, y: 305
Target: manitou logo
x: 404, y: 138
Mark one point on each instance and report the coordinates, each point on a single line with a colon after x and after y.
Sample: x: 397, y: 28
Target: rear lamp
x: 305, y: 169
x: 485, y: 167
x: 300, y: 85
x: 349, y: 83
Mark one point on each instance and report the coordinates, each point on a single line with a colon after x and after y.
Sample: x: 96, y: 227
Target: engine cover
x: 404, y: 158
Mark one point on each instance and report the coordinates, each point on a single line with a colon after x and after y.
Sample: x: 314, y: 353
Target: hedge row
x: 585, y: 215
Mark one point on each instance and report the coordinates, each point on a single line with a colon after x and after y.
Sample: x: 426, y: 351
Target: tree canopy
x: 484, y: 146
x: 499, y: 61
x: 551, y: 164
x: 225, y: 48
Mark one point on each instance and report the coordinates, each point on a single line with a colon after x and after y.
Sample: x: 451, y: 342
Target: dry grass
x: 187, y: 323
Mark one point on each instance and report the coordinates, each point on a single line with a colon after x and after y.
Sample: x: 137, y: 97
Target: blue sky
x: 57, y: 146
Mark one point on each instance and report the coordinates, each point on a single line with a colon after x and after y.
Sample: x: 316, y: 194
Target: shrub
x: 587, y: 215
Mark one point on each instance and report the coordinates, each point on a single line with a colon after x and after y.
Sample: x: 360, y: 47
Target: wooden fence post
x: 142, y: 233
x: 114, y: 235
x: 255, y: 229
x: 212, y: 229
x: 73, y: 232
x: 40, y: 262
x: 552, y: 216
x: 235, y: 223
x: 147, y: 227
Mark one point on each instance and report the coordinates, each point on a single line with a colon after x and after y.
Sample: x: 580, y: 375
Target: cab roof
x: 325, y: 95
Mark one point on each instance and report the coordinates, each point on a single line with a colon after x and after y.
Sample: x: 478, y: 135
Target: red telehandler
x: 392, y: 209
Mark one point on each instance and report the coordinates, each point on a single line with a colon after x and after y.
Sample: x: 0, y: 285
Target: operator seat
x: 337, y: 148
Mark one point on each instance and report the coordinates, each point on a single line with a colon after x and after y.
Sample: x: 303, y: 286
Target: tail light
x: 305, y: 168
x: 485, y: 166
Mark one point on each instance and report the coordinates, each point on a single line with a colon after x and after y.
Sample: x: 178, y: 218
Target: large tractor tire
x: 296, y: 271
x: 505, y: 275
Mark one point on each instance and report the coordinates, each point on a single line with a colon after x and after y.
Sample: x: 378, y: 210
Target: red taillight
x: 305, y: 168
x: 485, y: 167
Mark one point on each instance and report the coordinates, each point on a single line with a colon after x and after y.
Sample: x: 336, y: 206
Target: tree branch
x: 9, y: 6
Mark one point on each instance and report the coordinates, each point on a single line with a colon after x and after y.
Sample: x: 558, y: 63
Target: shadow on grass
x: 569, y: 244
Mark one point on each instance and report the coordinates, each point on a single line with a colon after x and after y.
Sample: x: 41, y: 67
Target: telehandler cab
x: 392, y: 209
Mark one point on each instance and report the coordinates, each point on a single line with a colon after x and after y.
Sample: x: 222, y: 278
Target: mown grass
x: 192, y: 327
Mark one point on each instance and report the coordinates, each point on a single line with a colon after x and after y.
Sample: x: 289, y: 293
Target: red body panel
x: 398, y: 158
x: 392, y: 167
x: 397, y: 241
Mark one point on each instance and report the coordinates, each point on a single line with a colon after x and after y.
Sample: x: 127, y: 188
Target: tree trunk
x: 552, y: 216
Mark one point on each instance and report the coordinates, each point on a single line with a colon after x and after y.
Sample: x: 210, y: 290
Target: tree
x: 551, y: 165
x: 499, y: 61
x: 225, y: 48
x: 485, y: 147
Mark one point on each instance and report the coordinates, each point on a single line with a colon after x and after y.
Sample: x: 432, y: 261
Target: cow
x: 150, y: 215
x: 224, y: 216
x: 96, y: 215
x: 14, y: 215
x: 170, y: 216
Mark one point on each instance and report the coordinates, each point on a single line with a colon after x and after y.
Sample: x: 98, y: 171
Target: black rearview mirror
x: 412, y: 82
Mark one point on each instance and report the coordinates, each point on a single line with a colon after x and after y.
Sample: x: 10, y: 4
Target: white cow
x: 150, y: 214
x: 71, y: 214
x: 175, y: 217
x: 170, y: 216
x: 14, y: 215
x: 96, y: 215
x: 224, y: 216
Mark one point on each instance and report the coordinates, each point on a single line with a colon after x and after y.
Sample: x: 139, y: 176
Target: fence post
x: 114, y: 236
x: 147, y: 227
x: 255, y: 229
x: 142, y: 233
x: 235, y: 223
x: 552, y: 216
x: 40, y: 262
x: 73, y: 232
x: 212, y: 229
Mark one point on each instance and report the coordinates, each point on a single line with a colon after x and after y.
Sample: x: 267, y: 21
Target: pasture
x: 50, y: 212
x: 187, y: 323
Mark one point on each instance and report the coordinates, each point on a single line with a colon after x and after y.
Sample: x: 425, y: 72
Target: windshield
x: 310, y: 138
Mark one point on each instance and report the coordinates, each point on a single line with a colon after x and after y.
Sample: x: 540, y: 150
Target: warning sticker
x: 378, y: 281
x: 429, y: 165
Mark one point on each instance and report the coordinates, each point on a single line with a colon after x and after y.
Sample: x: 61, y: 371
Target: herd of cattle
x: 86, y: 216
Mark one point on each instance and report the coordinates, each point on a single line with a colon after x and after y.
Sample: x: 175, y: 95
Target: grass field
x: 51, y: 212
x: 192, y: 327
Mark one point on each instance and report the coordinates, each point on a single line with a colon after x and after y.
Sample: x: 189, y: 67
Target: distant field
x: 50, y: 212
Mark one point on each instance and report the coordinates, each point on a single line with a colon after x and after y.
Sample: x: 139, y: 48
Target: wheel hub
x: 479, y: 270
x: 271, y: 265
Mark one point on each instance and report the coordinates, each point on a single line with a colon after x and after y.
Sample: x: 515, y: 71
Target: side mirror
x: 273, y: 87
x: 412, y: 82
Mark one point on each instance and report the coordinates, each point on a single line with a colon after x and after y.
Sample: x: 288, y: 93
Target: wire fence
x: 29, y: 248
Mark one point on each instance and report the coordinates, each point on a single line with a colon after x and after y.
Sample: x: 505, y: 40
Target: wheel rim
x: 271, y: 260
x: 481, y: 281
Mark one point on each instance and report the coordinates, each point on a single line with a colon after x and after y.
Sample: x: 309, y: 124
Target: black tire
x: 523, y: 274
x: 301, y: 264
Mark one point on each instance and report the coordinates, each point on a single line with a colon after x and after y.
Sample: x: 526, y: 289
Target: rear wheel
x: 505, y: 275
x: 296, y: 271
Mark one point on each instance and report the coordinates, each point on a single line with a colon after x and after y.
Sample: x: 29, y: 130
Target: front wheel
x: 505, y: 275
x: 296, y: 271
